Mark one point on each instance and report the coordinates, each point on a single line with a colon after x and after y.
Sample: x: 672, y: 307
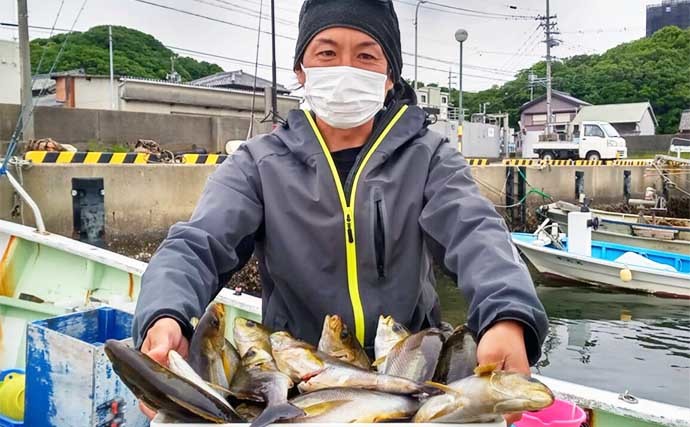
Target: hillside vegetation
x: 135, y: 54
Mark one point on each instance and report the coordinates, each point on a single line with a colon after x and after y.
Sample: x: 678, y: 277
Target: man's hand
x: 504, y: 345
x: 163, y: 336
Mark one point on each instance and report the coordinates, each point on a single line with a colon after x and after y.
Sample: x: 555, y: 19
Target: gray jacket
x: 360, y: 251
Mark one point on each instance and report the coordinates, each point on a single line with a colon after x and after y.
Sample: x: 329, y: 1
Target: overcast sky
x: 587, y: 26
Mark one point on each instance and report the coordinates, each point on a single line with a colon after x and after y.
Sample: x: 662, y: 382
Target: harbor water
x: 607, y: 339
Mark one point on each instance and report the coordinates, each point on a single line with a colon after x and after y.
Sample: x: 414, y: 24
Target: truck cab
x: 587, y: 140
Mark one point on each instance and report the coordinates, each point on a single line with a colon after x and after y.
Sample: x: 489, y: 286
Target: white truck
x: 587, y: 140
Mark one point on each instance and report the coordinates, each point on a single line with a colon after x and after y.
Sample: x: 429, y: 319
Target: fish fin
x: 194, y: 321
x: 222, y: 390
x: 444, y: 388
x: 485, y: 369
x: 283, y: 411
x: 379, y: 361
x: 208, y: 417
x: 323, y: 407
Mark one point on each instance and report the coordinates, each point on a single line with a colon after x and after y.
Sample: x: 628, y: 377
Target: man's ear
x: 389, y: 84
x: 301, y: 76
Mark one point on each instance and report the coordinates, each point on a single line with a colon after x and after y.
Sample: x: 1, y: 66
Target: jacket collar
x: 298, y: 135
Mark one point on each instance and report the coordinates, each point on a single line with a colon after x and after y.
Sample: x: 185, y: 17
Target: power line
x: 233, y: 7
x: 198, y: 15
x: 455, y: 10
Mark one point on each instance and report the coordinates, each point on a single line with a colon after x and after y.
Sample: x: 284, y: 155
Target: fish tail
x: 282, y: 411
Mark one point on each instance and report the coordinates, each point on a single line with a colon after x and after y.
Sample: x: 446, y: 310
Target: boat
x: 45, y: 274
x: 611, y: 264
x: 646, y: 231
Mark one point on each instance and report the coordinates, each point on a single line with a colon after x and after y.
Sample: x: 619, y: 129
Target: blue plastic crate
x: 69, y: 379
x: 5, y: 421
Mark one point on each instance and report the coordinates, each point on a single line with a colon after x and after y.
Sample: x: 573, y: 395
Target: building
x: 10, y: 74
x: 77, y: 90
x: 564, y: 107
x: 684, y: 127
x: 629, y: 119
x: 238, y: 80
x: 434, y: 101
x: 669, y: 12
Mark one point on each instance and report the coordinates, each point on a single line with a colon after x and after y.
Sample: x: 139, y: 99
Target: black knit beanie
x: 376, y: 18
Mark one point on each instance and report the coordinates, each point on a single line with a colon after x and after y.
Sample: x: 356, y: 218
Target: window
x: 444, y: 100
x: 539, y: 119
x: 423, y: 98
x: 594, y: 130
x: 611, y: 131
x: 563, y: 118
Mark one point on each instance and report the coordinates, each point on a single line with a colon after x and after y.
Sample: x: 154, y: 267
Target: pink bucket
x: 560, y: 414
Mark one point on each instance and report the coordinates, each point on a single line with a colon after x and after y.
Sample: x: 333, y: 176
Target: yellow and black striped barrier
x: 520, y: 162
x: 630, y: 162
x: 64, y: 157
x: 478, y: 162
x: 203, y: 159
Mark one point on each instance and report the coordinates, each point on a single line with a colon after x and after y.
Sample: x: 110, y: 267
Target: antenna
x: 273, y: 114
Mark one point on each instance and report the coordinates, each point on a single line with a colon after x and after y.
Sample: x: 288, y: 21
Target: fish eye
x: 250, y: 353
x: 251, y: 323
x: 344, y: 334
x: 214, y: 322
x: 397, y: 328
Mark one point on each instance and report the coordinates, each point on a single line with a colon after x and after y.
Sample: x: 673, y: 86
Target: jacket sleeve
x: 198, y: 256
x: 471, y: 242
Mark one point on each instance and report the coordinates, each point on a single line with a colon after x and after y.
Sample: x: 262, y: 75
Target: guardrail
x: 65, y: 157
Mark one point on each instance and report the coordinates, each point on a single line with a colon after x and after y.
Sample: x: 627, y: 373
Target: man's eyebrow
x: 368, y: 43
x: 325, y: 40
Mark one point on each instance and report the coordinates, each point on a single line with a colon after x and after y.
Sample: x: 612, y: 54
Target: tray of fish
x: 268, y: 377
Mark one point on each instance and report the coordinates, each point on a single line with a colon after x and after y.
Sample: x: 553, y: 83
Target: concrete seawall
x: 147, y: 199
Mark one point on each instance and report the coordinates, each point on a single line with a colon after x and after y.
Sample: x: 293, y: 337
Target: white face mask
x: 344, y: 97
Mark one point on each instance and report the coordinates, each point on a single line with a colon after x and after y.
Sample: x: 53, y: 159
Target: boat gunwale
x: 84, y: 250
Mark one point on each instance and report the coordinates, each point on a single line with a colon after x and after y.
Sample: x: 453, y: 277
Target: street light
x: 416, y: 22
x: 460, y: 36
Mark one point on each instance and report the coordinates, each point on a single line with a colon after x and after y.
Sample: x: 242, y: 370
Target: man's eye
x: 366, y: 57
x: 326, y: 53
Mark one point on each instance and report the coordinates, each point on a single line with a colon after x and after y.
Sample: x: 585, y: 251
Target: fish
x: 388, y: 333
x: 210, y: 353
x: 337, y: 341
x: 164, y: 391
x: 458, y: 357
x: 249, y: 411
x: 259, y: 380
x: 347, y: 405
x: 317, y: 370
x: 248, y: 333
x: 181, y: 367
x: 416, y: 356
x: 485, y: 397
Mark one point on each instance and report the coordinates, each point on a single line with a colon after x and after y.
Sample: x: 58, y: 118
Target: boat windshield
x: 611, y: 131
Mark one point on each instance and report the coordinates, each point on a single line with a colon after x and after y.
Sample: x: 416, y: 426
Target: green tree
x: 135, y: 54
x: 654, y: 69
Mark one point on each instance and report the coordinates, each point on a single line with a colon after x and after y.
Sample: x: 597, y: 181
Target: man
x: 345, y: 207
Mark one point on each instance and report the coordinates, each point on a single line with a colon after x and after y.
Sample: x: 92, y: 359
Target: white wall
x: 647, y: 124
x: 10, y: 76
x: 93, y: 93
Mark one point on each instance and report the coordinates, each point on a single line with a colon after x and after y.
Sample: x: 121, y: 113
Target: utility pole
x: 112, y: 74
x: 549, y: 30
x: 416, y: 24
x: 27, y: 122
x: 274, y: 88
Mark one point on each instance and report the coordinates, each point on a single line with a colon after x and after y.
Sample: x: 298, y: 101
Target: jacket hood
x: 298, y: 135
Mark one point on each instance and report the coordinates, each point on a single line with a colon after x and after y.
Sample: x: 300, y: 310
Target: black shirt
x: 344, y: 161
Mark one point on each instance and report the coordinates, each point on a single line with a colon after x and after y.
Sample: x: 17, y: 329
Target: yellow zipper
x: 349, y: 217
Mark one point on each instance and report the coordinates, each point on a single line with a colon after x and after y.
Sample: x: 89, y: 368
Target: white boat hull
x: 600, y: 272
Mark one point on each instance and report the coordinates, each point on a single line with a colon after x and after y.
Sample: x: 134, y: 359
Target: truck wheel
x: 593, y: 155
x: 548, y: 156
